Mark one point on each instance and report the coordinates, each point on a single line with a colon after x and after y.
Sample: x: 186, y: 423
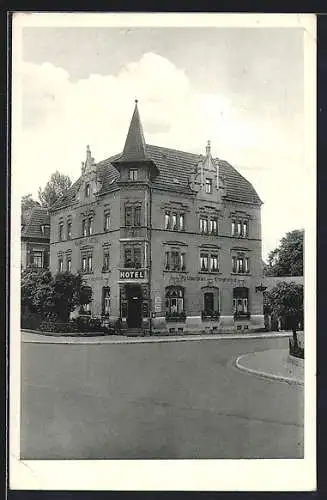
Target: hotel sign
x: 132, y: 275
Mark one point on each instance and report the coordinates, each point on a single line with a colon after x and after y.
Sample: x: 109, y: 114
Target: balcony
x: 131, y: 232
x: 133, y: 274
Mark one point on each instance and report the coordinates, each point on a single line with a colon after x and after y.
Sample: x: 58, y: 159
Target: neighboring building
x: 167, y: 240
x: 35, y: 238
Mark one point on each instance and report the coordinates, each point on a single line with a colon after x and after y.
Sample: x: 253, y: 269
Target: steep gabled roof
x: 32, y: 220
x: 135, y: 149
x: 175, y: 168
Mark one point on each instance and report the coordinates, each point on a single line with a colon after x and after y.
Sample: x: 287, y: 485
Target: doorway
x: 134, y: 308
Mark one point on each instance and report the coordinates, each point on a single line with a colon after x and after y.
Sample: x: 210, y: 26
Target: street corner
x: 274, y: 364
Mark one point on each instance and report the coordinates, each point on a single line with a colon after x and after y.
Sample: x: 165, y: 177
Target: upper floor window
x: 87, y: 262
x: 208, y: 225
x: 87, y: 189
x: 175, y: 261
x: 60, y: 265
x: 69, y: 264
x: 208, y: 186
x: 106, y: 260
x: 106, y: 221
x: 61, y: 231
x: 174, y: 221
x: 241, y: 265
x: 69, y: 229
x: 240, y: 228
x: 209, y: 262
x: 45, y: 229
x: 133, y: 174
x: 87, y: 226
x: 132, y: 215
x: 132, y: 257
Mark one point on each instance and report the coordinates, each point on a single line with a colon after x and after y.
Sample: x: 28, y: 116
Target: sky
x: 241, y: 88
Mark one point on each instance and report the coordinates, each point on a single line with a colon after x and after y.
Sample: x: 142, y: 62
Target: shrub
x: 30, y: 320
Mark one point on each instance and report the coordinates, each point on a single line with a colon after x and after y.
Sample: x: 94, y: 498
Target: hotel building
x: 168, y: 241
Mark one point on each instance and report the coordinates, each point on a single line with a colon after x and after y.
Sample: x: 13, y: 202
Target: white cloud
x: 61, y: 117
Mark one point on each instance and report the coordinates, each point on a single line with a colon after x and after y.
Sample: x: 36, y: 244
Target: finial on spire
x: 136, y: 101
x: 208, y: 148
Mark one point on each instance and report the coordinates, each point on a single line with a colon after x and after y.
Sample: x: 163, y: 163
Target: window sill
x: 175, y: 271
x: 241, y: 274
x: 106, y: 271
x: 86, y: 272
x: 210, y: 272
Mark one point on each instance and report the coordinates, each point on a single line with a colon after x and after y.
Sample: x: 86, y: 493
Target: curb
x: 144, y: 340
x: 271, y: 376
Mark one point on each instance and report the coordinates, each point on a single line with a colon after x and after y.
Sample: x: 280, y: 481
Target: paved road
x: 160, y: 400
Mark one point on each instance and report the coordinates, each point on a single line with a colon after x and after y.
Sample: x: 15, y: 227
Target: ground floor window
x: 37, y: 259
x: 174, y: 300
x: 241, y: 301
x: 210, y: 303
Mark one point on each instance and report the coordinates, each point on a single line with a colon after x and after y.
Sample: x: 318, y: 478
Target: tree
x: 46, y: 295
x: 27, y: 202
x: 287, y: 259
x: 56, y: 187
x: 285, y: 300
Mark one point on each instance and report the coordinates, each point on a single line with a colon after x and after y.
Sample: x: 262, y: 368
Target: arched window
x: 241, y: 301
x: 175, y: 299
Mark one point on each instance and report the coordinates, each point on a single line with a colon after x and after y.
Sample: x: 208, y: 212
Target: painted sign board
x: 132, y: 275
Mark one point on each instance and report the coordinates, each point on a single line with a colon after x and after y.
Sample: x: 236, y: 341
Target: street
x: 156, y: 401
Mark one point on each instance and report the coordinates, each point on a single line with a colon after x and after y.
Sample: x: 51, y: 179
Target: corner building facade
x: 168, y: 241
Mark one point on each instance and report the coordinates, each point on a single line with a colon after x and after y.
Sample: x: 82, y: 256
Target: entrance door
x: 134, y: 314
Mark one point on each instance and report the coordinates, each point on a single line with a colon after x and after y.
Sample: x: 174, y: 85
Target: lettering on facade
x: 132, y: 275
x: 210, y: 280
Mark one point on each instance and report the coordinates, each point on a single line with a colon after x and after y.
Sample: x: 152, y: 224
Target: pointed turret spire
x: 135, y: 147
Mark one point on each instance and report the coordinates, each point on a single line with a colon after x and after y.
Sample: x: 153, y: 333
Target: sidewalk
x: 274, y: 364
x: 30, y: 337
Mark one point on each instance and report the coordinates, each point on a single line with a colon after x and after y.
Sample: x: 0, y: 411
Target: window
x: 133, y: 257
x: 45, y: 229
x: 240, y: 264
x: 87, y: 263
x: 133, y: 215
x: 106, y: 301
x: 106, y: 260
x: 90, y: 225
x: 181, y: 222
x: 209, y: 262
x: 203, y: 225
x: 174, y: 221
x: 208, y: 186
x: 208, y: 302
x: 204, y: 262
x: 37, y: 259
x: 69, y: 229
x: 61, y: 231
x: 87, y: 190
x: 133, y: 174
x: 175, y: 300
x: 137, y: 216
x: 175, y: 261
x: 84, y: 227
x: 240, y: 228
x: 213, y: 226
x: 106, y: 221
x: 167, y: 220
x: 241, y: 301
x: 233, y: 227
x: 60, y: 265
x: 69, y: 264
